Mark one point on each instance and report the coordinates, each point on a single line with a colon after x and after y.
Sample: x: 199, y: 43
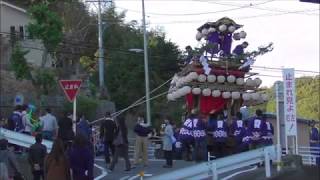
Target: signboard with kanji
x: 289, y: 102
x: 70, y: 88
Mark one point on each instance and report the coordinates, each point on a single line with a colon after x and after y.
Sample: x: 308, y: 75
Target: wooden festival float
x: 214, y: 78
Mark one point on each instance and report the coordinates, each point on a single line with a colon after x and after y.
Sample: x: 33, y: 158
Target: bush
x: 85, y: 105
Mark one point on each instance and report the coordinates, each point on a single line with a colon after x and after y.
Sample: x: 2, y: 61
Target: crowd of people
x: 198, y: 137
x: 63, y: 161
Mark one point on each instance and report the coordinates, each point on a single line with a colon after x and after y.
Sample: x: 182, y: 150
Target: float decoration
x: 213, y: 77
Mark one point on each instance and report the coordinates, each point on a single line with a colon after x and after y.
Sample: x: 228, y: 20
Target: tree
x: 19, y: 63
x: 125, y: 69
x: 46, y: 26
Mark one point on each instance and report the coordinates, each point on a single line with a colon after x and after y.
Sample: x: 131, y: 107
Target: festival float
x: 216, y: 77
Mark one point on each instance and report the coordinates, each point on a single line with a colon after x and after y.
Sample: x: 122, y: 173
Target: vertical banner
x: 289, y: 102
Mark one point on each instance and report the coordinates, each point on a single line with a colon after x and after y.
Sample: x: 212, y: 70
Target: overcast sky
x: 291, y: 25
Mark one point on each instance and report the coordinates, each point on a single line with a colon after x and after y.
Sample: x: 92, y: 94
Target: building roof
x: 3, y: 3
x: 300, y: 120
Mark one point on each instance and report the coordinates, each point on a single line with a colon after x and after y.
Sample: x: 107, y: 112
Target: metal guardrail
x: 214, y: 168
x: 308, y: 154
x: 22, y: 139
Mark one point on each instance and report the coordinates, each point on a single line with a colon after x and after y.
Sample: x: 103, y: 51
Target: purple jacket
x: 192, y: 129
x: 81, y: 162
x: 268, y: 136
x: 237, y: 130
x: 220, y: 131
x: 226, y: 44
x: 258, y: 128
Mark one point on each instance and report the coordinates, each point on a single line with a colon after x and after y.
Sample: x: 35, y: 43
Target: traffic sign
x: 70, y: 88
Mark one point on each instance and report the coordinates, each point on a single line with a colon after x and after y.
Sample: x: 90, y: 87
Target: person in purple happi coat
x: 268, y: 137
x: 315, y: 142
x: 258, y: 128
x: 220, y: 135
x: 237, y: 130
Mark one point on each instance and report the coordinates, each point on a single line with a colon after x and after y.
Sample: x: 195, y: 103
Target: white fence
x: 22, y: 139
x: 308, y: 154
x: 214, y: 168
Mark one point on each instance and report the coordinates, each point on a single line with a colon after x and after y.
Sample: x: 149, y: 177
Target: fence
x: 153, y: 147
x: 22, y: 139
x: 214, y: 168
x: 308, y: 154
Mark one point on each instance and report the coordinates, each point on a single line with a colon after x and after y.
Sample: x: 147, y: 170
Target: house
x: 13, y: 23
x: 13, y: 27
x: 303, y: 130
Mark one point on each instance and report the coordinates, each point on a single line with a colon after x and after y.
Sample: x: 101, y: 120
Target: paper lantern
x: 170, y: 97
x: 193, y: 75
x: 202, y: 78
x: 235, y: 95
x: 216, y: 93
x: 231, y: 78
x: 240, y: 81
x: 221, y: 79
x: 206, y: 92
x: 257, y: 81
x: 264, y: 97
x: 198, y: 36
x: 186, y: 90
x: 246, y: 96
x: 250, y: 82
x: 222, y: 28
x: 255, y: 96
x: 212, y: 29
x: 196, y: 91
x: 236, y: 36
x: 204, y: 32
x: 226, y: 95
x: 211, y: 78
x: 231, y: 29
x: 243, y: 34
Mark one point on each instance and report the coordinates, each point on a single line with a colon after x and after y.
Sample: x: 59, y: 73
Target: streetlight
x: 146, y: 77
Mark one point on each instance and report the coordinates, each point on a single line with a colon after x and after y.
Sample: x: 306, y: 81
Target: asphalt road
x: 154, y: 168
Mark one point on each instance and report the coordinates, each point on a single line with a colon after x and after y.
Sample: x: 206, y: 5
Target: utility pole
x: 146, y: 68
x: 101, y: 57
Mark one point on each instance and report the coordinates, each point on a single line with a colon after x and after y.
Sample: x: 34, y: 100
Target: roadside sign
x: 70, y: 88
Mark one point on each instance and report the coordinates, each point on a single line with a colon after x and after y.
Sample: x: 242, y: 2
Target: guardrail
x: 214, y: 168
x: 22, y: 139
x: 308, y: 154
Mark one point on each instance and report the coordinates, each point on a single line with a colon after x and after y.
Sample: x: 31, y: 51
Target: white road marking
x: 103, y: 174
x: 239, y: 172
x: 137, y: 176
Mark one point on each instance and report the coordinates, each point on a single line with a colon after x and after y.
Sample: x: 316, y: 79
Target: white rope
x: 136, y: 103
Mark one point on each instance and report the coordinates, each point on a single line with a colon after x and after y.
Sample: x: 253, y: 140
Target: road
x: 154, y: 168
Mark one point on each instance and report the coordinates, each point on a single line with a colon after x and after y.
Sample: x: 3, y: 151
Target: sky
x: 291, y: 25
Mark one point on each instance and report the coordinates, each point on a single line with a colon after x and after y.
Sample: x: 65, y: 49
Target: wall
x: 303, y: 133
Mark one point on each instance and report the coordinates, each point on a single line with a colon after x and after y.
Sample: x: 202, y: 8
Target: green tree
x: 46, y: 26
x: 19, y: 63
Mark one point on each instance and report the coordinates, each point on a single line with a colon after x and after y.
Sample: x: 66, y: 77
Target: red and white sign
x: 70, y: 88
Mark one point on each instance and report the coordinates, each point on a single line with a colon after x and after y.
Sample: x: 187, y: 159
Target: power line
x: 239, y: 18
x: 130, y: 53
x: 199, y: 13
x: 256, y: 7
x: 275, y: 68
